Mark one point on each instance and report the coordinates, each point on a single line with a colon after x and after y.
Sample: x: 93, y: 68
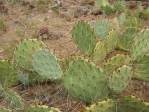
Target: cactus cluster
x: 113, y: 55
x: 108, y: 9
x: 115, y: 62
x: 31, y: 62
x: 36, y: 62
x: 25, y: 50
x: 114, y: 71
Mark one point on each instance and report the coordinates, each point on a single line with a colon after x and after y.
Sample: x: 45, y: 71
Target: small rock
x: 80, y: 11
x: 66, y: 15
x: 45, y: 34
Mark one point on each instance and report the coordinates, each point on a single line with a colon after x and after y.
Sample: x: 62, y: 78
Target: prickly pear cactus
x: 42, y: 108
x: 140, y: 46
x: 129, y: 27
x: 100, y: 52
x: 132, y: 104
x: 120, y: 78
x: 111, y: 40
x: 84, y: 37
x: 106, y: 46
x: 115, y: 62
x: 46, y: 65
x: 13, y: 99
x: 121, y: 19
x: 102, y: 106
x: 25, y: 50
x: 132, y: 23
x: 125, y: 104
x: 86, y: 82
x: 126, y: 39
x: 140, y: 68
x: 105, y: 6
x: 8, y: 75
x: 119, y: 6
x: 102, y: 28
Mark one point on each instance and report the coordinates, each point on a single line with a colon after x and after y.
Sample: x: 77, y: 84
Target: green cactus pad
x: 126, y: 39
x: 42, y: 108
x: 106, y: 46
x: 108, y: 10
x: 121, y: 19
x: 132, y: 104
x: 46, y: 65
x: 13, y: 99
x: 102, y: 106
x: 140, y: 45
x: 120, y: 78
x: 119, y: 6
x: 102, y: 28
x: 116, y: 62
x: 111, y: 41
x: 141, y: 68
x: 25, y: 50
x: 84, y: 37
x: 84, y: 81
x: 8, y: 75
x: 132, y: 23
x: 100, y: 52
